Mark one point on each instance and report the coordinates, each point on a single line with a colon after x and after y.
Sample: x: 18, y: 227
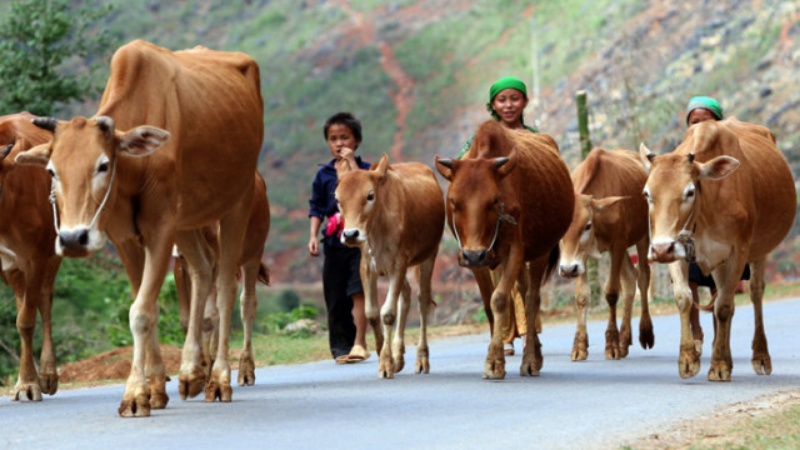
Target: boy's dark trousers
x: 337, y: 284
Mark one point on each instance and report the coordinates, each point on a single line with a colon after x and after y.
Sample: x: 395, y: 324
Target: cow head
x: 474, y: 205
x: 673, y: 195
x: 81, y: 160
x: 580, y: 240
x: 357, y: 194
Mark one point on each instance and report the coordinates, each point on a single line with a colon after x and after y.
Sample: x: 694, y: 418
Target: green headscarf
x: 503, y: 84
x: 704, y: 103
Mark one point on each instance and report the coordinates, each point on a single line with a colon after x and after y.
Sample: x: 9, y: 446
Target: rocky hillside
x: 417, y: 73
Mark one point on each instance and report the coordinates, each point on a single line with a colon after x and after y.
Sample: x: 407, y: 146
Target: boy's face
x: 340, y: 136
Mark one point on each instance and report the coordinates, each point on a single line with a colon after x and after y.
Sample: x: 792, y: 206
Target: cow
x: 205, y: 109
x: 253, y: 270
x: 610, y: 216
x: 723, y: 197
x: 395, y: 214
x: 27, y: 257
x: 509, y: 202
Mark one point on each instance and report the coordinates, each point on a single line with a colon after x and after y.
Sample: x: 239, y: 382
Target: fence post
x: 586, y: 147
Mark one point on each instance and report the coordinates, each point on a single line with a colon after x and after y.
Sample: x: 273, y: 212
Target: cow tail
x: 263, y: 273
x: 552, y: 264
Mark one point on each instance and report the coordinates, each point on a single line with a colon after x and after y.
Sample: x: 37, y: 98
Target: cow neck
x: 53, y: 202
x: 686, y: 235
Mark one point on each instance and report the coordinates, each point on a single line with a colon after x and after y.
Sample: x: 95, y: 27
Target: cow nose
x: 568, y: 270
x: 350, y: 234
x: 474, y: 258
x: 74, y: 238
x: 663, y: 251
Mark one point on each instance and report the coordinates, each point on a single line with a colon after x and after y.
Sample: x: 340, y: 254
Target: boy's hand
x: 348, y: 154
x: 313, y: 246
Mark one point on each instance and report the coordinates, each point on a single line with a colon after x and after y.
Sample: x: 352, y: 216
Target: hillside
x: 417, y: 73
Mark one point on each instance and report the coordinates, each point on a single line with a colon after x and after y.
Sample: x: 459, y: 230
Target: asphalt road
x: 596, y: 404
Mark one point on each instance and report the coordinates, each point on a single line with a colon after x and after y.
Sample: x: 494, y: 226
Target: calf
x: 509, y: 202
x: 610, y: 216
x: 27, y: 256
x: 395, y: 215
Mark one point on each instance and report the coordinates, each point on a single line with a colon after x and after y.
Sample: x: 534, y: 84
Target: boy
x: 341, y: 279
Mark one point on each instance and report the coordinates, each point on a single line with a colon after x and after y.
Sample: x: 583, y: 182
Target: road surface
x: 596, y: 404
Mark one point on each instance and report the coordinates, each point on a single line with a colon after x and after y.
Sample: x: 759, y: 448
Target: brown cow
x: 724, y: 197
x: 509, y: 202
x: 253, y: 270
x: 395, y: 215
x: 27, y: 257
x: 209, y: 109
x: 610, y: 216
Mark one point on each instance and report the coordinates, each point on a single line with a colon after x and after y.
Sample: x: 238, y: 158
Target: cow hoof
x: 386, y: 368
x: 48, y: 382
x: 31, y: 392
x: 494, y: 370
x: 688, y: 361
x: 762, y: 366
x: 646, y: 338
x: 247, y: 372
x: 399, y: 364
x: 191, y: 386
x: 529, y: 369
x: 580, y: 348
x: 138, y: 407
x: 158, y: 400
x: 215, y: 391
x: 719, y: 371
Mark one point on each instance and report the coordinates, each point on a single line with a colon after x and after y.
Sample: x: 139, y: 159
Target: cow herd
x: 169, y: 161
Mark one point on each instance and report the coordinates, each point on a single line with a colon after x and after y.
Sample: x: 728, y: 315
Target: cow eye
x: 588, y: 226
x: 646, y: 194
x: 51, y: 172
x: 370, y: 196
x: 690, y: 193
x: 103, y: 167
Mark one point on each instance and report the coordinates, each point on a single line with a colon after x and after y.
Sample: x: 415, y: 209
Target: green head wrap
x: 501, y: 85
x: 704, y: 103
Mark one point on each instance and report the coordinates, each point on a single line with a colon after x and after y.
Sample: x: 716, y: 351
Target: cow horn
x: 6, y: 151
x: 46, y: 123
x: 106, y: 124
x: 499, y: 162
x: 447, y: 162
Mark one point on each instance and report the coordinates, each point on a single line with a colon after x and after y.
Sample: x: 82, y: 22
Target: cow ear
x: 646, y: 156
x: 36, y: 156
x: 599, y: 204
x: 505, y: 164
x: 381, y: 168
x: 718, y: 168
x: 445, y: 166
x: 142, y: 141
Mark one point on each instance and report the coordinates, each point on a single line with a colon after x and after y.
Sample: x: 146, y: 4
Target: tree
x: 45, y: 49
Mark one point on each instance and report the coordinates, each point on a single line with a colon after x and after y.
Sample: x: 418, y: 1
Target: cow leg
x: 399, y: 342
x: 580, y: 345
x: 613, y: 344
x: 532, y: 359
x: 248, y: 303
x: 646, y: 283
x: 486, y: 287
x: 232, y: 230
x: 209, y: 335
x: 143, y: 384
x: 388, y: 317
x: 727, y: 277
x: 495, y: 365
x: 200, y: 259
x: 27, y: 289
x: 425, y: 302
x: 369, y: 280
x: 183, y: 286
x: 689, y: 358
x: 762, y: 363
x: 628, y: 290
x: 48, y: 375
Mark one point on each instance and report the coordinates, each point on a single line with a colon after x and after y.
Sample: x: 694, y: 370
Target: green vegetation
x: 47, y: 53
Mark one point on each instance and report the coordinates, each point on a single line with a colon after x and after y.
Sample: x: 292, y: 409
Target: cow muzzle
x: 570, y: 270
x: 474, y: 258
x: 665, y: 251
x: 73, y: 243
x: 352, y: 237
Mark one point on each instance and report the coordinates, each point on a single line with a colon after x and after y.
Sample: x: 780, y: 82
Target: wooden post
x: 586, y: 147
